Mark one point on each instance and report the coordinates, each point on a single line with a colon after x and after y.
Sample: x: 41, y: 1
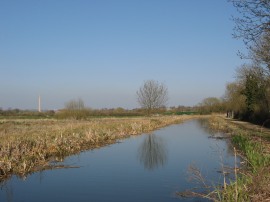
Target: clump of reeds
x: 29, y: 145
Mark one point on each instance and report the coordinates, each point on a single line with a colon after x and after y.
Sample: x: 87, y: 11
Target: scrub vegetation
x: 28, y: 145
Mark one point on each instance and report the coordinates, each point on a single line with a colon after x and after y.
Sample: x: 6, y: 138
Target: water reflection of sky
x: 142, y: 168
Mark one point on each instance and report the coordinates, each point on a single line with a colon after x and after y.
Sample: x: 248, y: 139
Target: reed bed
x: 30, y: 145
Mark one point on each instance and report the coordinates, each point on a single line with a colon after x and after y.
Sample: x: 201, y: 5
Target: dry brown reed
x: 29, y: 145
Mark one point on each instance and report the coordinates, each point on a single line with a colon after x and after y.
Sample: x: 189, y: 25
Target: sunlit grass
x: 29, y: 145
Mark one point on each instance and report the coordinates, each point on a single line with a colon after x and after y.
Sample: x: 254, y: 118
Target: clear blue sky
x: 102, y: 50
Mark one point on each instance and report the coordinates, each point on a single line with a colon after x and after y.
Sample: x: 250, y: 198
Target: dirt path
x: 250, y: 126
x: 260, y: 134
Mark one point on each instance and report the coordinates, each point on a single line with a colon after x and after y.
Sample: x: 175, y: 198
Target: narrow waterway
x: 150, y: 167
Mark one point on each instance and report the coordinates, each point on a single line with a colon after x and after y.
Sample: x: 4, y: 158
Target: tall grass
x: 29, y: 145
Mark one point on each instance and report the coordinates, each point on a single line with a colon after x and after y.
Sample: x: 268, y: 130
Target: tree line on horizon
x: 152, y: 97
x: 76, y: 109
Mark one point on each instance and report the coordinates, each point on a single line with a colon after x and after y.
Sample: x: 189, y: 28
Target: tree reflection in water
x: 7, y: 186
x: 152, y: 152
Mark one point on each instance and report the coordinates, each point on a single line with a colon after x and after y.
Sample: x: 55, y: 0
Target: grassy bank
x: 252, y: 144
x: 30, y: 145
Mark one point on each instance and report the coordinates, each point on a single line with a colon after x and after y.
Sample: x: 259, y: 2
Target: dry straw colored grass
x: 30, y: 145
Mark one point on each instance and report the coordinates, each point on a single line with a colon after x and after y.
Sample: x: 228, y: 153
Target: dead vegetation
x: 30, y: 145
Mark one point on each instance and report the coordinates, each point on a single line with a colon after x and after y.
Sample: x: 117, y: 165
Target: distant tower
x: 39, y: 104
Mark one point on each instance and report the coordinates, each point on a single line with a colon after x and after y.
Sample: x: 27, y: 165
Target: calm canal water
x: 142, y: 168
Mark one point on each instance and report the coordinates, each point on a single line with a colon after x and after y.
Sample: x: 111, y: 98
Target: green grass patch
x: 252, y: 151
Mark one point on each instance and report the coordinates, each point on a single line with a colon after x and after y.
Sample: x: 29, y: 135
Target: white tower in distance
x: 39, y: 104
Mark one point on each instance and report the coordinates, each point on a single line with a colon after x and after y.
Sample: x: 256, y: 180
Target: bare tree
x: 152, y: 95
x: 253, y: 26
x: 254, y: 20
x: 260, y: 53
